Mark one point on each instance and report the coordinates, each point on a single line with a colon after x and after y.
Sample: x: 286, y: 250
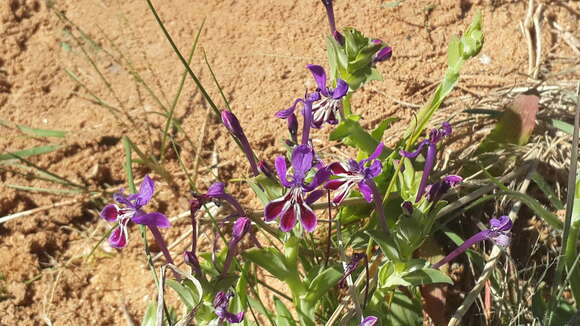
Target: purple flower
x: 354, y: 173
x: 358, y: 173
x: 369, y: 321
x: 350, y: 267
x: 306, y: 112
x: 434, y: 137
x: 437, y: 190
x: 294, y: 205
x: 217, y: 191
x: 383, y: 54
x: 220, y: 304
x: 329, y: 108
x: 499, y: 233
x: 241, y: 227
x: 233, y: 125
x: 132, y: 212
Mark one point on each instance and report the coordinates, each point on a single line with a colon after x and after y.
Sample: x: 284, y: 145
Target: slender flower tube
x: 435, y: 136
x: 233, y: 125
x: 241, y: 227
x: 330, y: 13
x: 369, y: 321
x: 306, y: 112
x: 295, y: 205
x: 217, y: 191
x: 221, y: 303
x: 329, y: 108
x: 265, y: 168
x: 293, y: 127
x: 354, y: 173
x: 350, y: 267
x: 132, y: 212
x: 499, y: 233
x: 190, y: 257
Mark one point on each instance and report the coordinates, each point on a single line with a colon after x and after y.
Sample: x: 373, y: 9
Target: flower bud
x: 232, y: 123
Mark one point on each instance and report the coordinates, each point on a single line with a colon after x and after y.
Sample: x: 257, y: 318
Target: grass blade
x: 176, y: 98
x: 41, y: 132
x: 46, y: 190
x: 29, y: 152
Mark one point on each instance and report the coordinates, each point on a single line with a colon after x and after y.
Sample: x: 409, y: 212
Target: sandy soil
x: 257, y: 49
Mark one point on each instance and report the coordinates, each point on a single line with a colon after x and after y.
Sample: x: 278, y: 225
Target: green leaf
x: 255, y: 304
x: 356, y: 134
x: 427, y: 276
x: 564, y: 126
x: 42, y: 132
x: 270, y: 259
x: 404, y: 311
x: 149, y: 319
x: 377, y: 134
x: 386, y: 243
x: 30, y: 152
x: 184, y: 293
x: 322, y: 283
x: 454, y: 52
x: 537, y: 207
x: 547, y: 190
x: 284, y: 317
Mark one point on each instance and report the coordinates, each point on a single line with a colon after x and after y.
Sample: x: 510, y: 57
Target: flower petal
x: 374, y: 170
x: 319, y: 178
x: 383, y: 54
x: 314, y: 196
x: 340, y: 90
x: 337, y: 168
x: 118, y: 238
x: 378, y: 151
x: 302, y: 157
x: 110, y: 212
x: 274, y: 208
x: 228, y: 316
x: 320, y: 76
x: 216, y: 190
x: 284, y: 114
x: 307, y: 218
x: 146, y: 191
x: 366, y: 191
x: 155, y: 218
x: 280, y: 164
x: 288, y: 220
x: 501, y: 239
x: 416, y: 152
x: 452, y: 180
x: 120, y: 198
x: 369, y: 321
x: 241, y: 227
x: 503, y: 223
x: 334, y: 184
